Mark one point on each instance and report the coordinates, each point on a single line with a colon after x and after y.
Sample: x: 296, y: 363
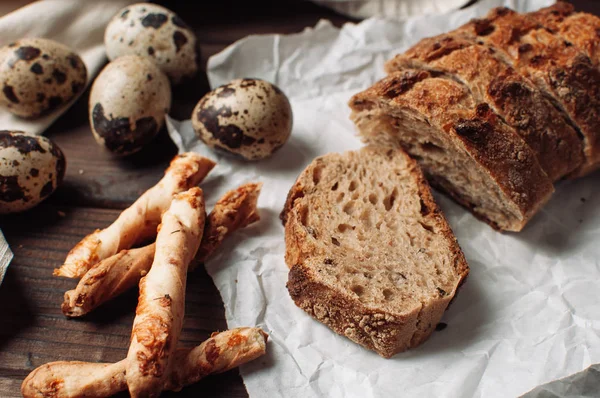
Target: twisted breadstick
x: 160, y: 310
x: 221, y: 352
x: 138, y: 222
x: 121, y: 272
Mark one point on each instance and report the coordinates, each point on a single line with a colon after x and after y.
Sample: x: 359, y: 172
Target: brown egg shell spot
x: 229, y: 135
x: 10, y: 190
x: 21, y: 142
x: 117, y: 133
x: 154, y: 20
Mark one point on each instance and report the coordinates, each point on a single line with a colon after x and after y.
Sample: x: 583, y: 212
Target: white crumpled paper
x: 529, y: 312
x: 400, y: 9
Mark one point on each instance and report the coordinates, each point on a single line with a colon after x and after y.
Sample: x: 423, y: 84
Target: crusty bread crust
x: 514, y: 98
x: 579, y: 28
x: 476, y: 130
x: 560, y: 69
x: 375, y: 327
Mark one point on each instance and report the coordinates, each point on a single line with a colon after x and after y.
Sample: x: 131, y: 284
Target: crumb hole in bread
x: 368, y: 275
x: 335, y: 241
x: 334, y: 187
x: 349, y: 270
x: 378, y: 225
x: 303, y: 215
x: 427, y: 227
x: 344, y: 227
x: 387, y: 294
x: 348, y: 208
x: 357, y: 289
x: 424, y: 208
x: 352, y: 185
x: 373, y: 198
x: 316, y: 175
x: 365, y: 217
x: 389, y: 200
x: 428, y: 147
x: 340, y: 197
x: 355, y: 196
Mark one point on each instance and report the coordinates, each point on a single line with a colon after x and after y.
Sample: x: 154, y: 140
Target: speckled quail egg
x: 31, y: 167
x: 128, y: 104
x: 251, y: 118
x: 153, y: 31
x: 39, y: 75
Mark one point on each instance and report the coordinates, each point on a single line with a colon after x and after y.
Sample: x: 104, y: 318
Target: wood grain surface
x: 33, y: 330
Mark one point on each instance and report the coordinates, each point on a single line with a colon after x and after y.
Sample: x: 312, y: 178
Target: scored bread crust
x: 580, y: 28
x: 375, y: 327
x: 473, y: 129
x: 560, y: 69
x: 514, y: 98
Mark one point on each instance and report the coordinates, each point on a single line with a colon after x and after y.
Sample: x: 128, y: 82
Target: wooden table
x: 97, y: 187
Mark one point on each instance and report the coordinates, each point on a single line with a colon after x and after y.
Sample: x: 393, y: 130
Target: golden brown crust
x: 234, y: 210
x: 376, y: 328
x: 160, y: 310
x: 73, y: 379
x: 513, y: 97
x: 555, y: 65
x: 579, y: 28
x: 138, y: 222
x: 476, y: 129
x: 121, y: 272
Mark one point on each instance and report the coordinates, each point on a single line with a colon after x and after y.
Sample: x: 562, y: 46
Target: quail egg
x: 128, y: 104
x: 39, y: 75
x: 251, y: 118
x: 154, y: 31
x: 31, y: 167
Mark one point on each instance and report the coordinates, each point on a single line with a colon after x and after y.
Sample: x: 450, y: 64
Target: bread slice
x: 558, y: 68
x: 515, y: 99
x: 370, y: 253
x: 463, y: 146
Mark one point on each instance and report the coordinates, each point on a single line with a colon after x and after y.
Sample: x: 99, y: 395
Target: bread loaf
x: 463, y: 146
x: 561, y: 70
x: 513, y: 97
x: 370, y: 253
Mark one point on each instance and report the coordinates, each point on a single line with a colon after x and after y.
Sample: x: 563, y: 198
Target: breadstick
x: 234, y: 210
x: 138, y: 222
x: 107, y: 279
x: 221, y: 352
x: 121, y: 272
x: 160, y: 310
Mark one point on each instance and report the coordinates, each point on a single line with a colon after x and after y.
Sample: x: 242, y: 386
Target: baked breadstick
x: 138, y: 222
x: 160, y: 310
x: 234, y: 210
x: 107, y: 279
x: 121, y: 272
x: 221, y: 352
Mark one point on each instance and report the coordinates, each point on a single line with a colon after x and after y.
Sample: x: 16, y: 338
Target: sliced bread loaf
x: 370, y: 253
x: 558, y: 68
x: 513, y: 97
x: 462, y: 145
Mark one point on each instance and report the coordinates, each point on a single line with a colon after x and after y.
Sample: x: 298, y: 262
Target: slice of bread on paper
x: 370, y: 253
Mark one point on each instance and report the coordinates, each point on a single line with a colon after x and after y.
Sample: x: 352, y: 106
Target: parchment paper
x: 400, y: 9
x: 529, y: 312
